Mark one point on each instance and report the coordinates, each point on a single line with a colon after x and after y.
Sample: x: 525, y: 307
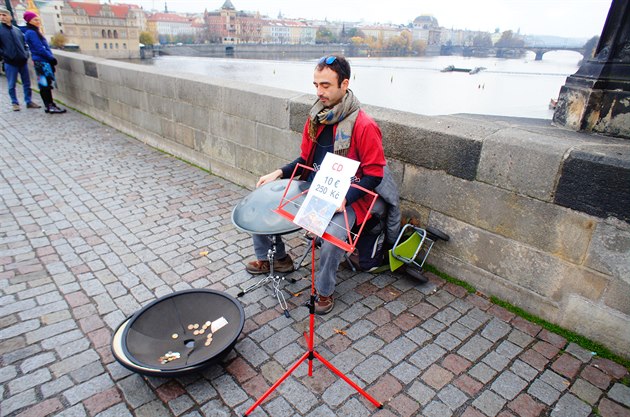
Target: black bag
x: 370, y: 250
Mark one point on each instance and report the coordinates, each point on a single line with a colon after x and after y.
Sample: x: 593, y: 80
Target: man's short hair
x: 337, y: 63
x: 4, y: 10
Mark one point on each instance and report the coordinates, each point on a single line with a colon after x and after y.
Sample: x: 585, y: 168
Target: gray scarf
x: 343, y: 113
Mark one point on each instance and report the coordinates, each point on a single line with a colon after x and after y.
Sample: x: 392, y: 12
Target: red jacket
x: 366, y: 146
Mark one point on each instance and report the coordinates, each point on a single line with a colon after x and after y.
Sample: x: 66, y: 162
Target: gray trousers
x: 329, y: 257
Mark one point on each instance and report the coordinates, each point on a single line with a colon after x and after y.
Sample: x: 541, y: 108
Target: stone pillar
x: 597, y: 97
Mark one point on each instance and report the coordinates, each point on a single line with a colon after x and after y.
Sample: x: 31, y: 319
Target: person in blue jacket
x: 15, y: 56
x: 43, y: 60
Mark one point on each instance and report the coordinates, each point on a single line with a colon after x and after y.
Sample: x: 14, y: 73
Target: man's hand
x: 342, y: 207
x: 272, y: 176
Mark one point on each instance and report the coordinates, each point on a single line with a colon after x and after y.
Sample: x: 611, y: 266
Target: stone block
x: 516, y: 262
x: 199, y: 90
x: 597, y: 322
x: 609, y: 249
x: 522, y: 161
x: 279, y: 142
x: 261, y: 104
x: 233, y: 128
x: 220, y: 149
x: 409, y: 140
x: 298, y: 111
x: 159, y: 85
x: 565, y: 233
x: 595, y: 181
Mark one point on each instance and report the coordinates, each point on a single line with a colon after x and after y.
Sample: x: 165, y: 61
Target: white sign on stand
x: 326, y: 193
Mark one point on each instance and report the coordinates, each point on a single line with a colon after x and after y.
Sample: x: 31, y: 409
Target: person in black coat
x: 43, y: 60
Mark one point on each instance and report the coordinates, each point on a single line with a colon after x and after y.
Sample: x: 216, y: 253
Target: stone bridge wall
x: 538, y: 216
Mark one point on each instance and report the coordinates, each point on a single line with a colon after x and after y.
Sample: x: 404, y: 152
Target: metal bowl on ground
x: 179, y: 333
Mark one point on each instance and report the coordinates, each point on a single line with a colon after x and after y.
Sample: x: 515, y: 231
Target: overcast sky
x: 567, y: 18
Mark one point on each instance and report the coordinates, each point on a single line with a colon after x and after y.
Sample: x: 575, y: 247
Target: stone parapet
x: 537, y: 215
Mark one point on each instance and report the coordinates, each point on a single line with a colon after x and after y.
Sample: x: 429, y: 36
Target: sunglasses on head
x: 327, y: 59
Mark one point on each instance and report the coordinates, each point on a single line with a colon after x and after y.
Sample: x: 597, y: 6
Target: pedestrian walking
x: 15, y: 56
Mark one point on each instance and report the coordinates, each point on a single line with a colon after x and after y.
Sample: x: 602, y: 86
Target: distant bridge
x: 511, y: 51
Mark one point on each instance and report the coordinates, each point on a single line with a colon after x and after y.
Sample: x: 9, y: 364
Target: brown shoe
x: 16, y: 107
x: 258, y: 267
x: 324, y: 305
x: 33, y: 105
x: 283, y: 265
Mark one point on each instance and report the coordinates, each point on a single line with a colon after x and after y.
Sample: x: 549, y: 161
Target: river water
x: 520, y: 87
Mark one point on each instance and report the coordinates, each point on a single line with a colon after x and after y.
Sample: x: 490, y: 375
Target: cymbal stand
x: 275, y: 279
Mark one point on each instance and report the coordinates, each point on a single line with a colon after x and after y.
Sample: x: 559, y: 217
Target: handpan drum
x: 179, y: 333
x: 254, y: 214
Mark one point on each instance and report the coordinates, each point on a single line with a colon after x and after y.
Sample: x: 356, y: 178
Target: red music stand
x: 312, y: 353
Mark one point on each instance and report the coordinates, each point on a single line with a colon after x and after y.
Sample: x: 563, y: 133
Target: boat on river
x: 453, y: 68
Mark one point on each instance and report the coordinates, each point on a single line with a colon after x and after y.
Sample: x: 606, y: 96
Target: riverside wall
x: 538, y: 216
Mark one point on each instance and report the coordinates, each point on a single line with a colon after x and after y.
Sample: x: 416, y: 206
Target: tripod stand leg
x: 277, y: 383
x: 348, y: 380
x: 254, y: 286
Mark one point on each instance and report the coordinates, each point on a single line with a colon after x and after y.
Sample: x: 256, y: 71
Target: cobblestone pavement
x: 94, y: 225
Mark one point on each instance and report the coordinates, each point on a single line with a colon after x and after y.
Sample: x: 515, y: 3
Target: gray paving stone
x: 496, y: 329
x: 338, y: 392
x: 426, y: 356
x: 496, y: 361
x: 135, y: 390
x: 79, y: 411
x: 571, y: 406
x: 421, y: 393
x: 279, y: 407
x: 29, y: 381
x: 298, y: 395
x: 475, y: 348
x: 74, y: 362
x: 201, y: 391
x: 544, y: 392
x: 447, y: 341
x: 523, y: 370
x: 56, y: 386
x: 419, y: 336
x: 447, y: 316
x: 372, y: 368
x: 368, y: 345
x: 482, y: 372
x: 489, y: 403
x: 360, y: 329
x: 452, y: 397
x: 579, y: 352
x: 7, y: 373
x: 398, y: 349
x: 508, y: 385
x: 352, y: 408
x: 119, y: 410
x: 279, y: 340
x: 35, y: 362
x: 153, y: 409
x: 231, y: 392
x: 346, y: 360
x: 459, y: 331
x: 433, y: 326
x: 436, y: 409
x: 553, y: 379
x: 620, y: 393
x: 405, y: 372
x: 16, y: 402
